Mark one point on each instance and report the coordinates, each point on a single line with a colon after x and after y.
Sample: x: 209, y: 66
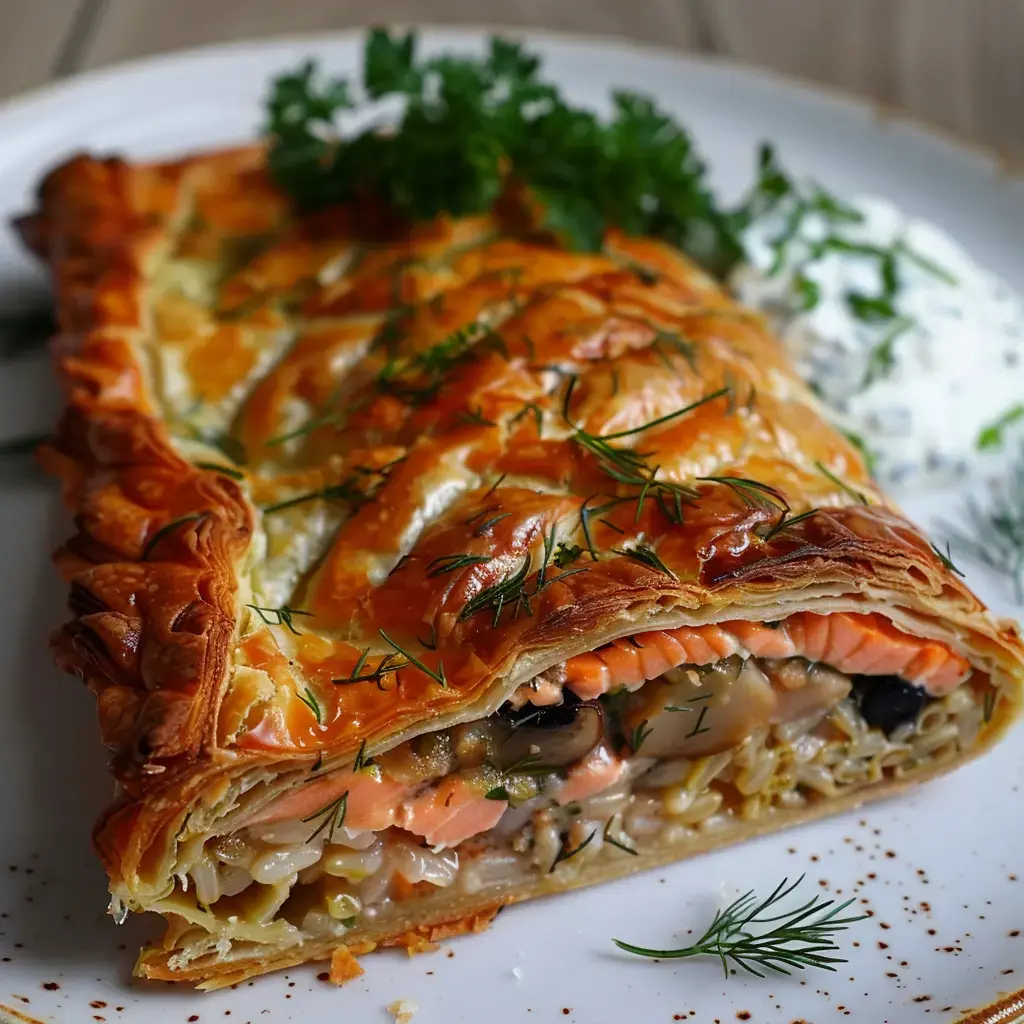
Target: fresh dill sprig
x: 475, y: 417
x: 786, y: 521
x: 756, y: 937
x: 362, y: 761
x: 646, y: 555
x: 618, y: 843
x: 436, y: 674
x: 842, y: 484
x: 323, y: 420
x: 991, y: 436
x: 636, y: 737
x: 309, y: 699
x: 345, y: 491
x: 566, y: 554
x: 216, y: 467
x: 168, y: 529
x: 444, y: 564
x: 388, y: 663
x: 334, y: 818
x: 752, y: 493
x: 992, y: 533
x: 946, y: 559
x: 514, y: 589
x: 565, y: 853
x: 282, y: 616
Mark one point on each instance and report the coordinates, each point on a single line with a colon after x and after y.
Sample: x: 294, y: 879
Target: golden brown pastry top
x: 393, y: 405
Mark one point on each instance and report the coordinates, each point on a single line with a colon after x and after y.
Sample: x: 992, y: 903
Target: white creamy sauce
x: 955, y: 335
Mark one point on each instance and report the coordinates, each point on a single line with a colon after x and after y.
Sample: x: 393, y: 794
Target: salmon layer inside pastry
x: 423, y: 574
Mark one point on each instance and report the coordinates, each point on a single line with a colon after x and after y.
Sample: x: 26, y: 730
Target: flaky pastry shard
x: 421, y: 570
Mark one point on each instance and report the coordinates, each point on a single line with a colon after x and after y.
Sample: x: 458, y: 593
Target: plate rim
x: 1005, y: 163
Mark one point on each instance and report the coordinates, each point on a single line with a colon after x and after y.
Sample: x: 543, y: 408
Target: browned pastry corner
x: 353, y: 502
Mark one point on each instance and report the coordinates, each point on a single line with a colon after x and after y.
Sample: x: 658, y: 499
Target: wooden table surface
x: 958, y: 63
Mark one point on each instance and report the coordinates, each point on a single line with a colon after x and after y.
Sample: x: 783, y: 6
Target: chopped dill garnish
x: 436, y: 674
x: 755, y: 936
x: 215, y: 467
x: 752, y: 493
x: 387, y: 664
x: 645, y: 554
x: 566, y: 554
x: 566, y: 854
x: 309, y: 699
x: 345, y: 491
x: 991, y: 436
x: 168, y: 529
x: 362, y: 761
x: 946, y: 560
x: 334, y: 818
x: 617, y: 843
x: 786, y: 521
x: 992, y: 533
x: 852, y: 492
x: 638, y: 735
x: 452, y: 563
x: 282, y: 616
x: 700, y: 726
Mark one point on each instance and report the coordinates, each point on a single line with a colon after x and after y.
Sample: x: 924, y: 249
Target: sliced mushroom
x: 691, y: 714
x: 553, y: 736
x: 804, y: 689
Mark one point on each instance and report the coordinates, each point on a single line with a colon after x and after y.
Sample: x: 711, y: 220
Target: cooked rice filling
x: 551, y: 787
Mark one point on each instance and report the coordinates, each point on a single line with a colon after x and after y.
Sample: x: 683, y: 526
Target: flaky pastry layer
x: 295, y: 447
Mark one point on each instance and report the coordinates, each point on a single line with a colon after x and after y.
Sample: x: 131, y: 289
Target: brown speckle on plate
x: 51, y: 986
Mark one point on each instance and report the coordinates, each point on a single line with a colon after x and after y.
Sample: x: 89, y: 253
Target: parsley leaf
x: 471, y: 129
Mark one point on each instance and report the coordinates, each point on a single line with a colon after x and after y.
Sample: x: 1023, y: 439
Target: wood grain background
x: 958, y: 63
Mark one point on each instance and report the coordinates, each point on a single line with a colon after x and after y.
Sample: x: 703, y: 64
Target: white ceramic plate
x: 936, y: 868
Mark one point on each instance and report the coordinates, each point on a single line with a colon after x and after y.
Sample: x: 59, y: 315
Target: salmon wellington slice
x: 419, y: 577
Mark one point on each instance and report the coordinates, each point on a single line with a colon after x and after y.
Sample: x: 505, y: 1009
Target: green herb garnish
x: 361, y: 761
x: 992, y: 533
x: 564, y: 853
x: 617, y: 843
x: 638, y: 735
x: 168, y: 529
x: 345, y: 491
x: 786, y: 521
x: 452, y: 563
x: 468, y: 124
x: 309, y: 699
x: 436, y: 674
x: 646, y: 555
x: 852, y: 492
x: 992, y: 435
x: 755, y: 936
x: 282, y: 616
x: 334, y: 817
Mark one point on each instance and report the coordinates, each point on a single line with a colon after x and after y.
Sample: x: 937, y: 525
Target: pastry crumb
x: 403, y: 1009
x: 517, y: 973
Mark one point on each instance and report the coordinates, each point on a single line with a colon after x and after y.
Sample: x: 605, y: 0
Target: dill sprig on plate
x: 992, y: 533
x: 755, y: 936
x: 469, y: 124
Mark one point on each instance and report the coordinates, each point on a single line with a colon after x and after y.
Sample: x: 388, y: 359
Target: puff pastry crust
x: 264, y: 412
